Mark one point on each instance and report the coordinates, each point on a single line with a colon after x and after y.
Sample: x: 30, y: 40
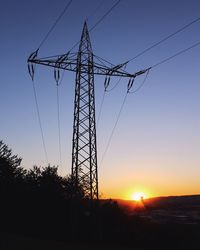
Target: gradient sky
x: 156, y: 145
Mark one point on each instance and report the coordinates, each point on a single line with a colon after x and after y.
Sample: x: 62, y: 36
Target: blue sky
x: 157, y: 140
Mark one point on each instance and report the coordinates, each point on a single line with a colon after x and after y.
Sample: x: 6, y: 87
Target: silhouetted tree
x: 11, y: 173
x: 72, y: 190
x: 9, y: 164
x: 46, y: 180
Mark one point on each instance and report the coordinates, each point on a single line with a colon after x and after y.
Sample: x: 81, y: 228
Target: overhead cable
x: 165, y: 38
x: 116, y: 84
x: 58, y: 119
x: 118, y: 81
x: 113, y: 130
x: 40, y: 123
x: 100, y: 110
x: 164, y: 61
x: 175, y: 55
x: 98, y: 22
x: 106, y: 14
x: 55, y: 23
x: 141, y: 85
x: 96, y: 9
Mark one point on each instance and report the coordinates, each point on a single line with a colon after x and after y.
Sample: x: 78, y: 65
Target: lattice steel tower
x: 84, y: 144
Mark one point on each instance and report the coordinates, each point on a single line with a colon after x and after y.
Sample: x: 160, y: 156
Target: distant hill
x: 181, y: 202
x: 184, y: 202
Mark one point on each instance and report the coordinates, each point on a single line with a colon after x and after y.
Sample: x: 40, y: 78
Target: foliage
x: 9, y: 164
x: 40, y: 203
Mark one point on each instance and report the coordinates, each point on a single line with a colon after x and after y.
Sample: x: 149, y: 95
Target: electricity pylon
x: 84, y: 142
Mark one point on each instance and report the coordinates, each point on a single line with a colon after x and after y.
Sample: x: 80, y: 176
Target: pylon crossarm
x: 69, y: 62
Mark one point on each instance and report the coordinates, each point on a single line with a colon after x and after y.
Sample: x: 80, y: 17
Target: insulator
x: 108, y: 81
x: 31, y: 70
x: 105, y: 82
x: 130, y: 83
x: 56, y: 75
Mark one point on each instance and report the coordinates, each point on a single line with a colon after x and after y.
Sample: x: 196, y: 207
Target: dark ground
x: 15, y: 242
x: 41, y: 210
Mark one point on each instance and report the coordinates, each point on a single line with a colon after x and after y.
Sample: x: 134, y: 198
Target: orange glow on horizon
x: 138, y: 193
x: 138, y: 196
x: 127, y: 190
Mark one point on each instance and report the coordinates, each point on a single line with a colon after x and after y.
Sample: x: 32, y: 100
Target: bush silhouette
x: 40, y: 203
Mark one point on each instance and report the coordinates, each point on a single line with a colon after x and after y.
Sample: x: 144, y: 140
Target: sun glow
x: 138, y: 196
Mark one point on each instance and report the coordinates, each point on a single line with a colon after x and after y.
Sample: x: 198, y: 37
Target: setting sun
x: 137, y: 196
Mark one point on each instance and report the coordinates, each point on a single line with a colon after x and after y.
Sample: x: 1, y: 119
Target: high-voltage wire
x: 55, y: 23
x: 119, y: 114
x: 175, y: 55
x: 103, y: 97
x: 141, y: 85
x: 58, y: 119
x: 117, y: 82
x: 164, y: 61
x: 106, y: 14
x: 115, y: 85
x: 98, y: 22
x: 113, y: 130
x: 165, y: 38
x: 96, y: 9
x: 40, y: 123
x: 100, y: 109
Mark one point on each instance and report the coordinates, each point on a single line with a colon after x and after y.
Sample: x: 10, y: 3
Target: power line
x: 165, y: 38
x: 177, y: 54
x: 120, y: 111
x: 101, y: 19
x: 119, y: 114
x: 141, y: 85
x: 58, y: 118
x: 55, y: 23
x: 96, y: 9
x: 119, y: 80
x: 116, y: 84
x: 98, y: 22
x: 101, y: 106
x: 164, y: 61
x: 113, y: 130
x: 103, y: 97
x: 40, y: 123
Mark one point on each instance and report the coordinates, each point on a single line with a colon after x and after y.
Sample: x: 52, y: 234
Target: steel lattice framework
x: 84, y: 149
x: 84, y: 143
